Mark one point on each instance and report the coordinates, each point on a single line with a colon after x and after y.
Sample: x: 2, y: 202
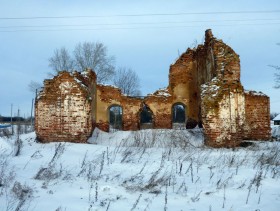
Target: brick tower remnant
x: 205, y: 81
x: 64, y: 109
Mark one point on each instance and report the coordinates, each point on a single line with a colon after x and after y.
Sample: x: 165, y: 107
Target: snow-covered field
x: 142, y: 170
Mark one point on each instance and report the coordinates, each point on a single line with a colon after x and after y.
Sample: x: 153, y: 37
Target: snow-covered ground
x: 142, y: 170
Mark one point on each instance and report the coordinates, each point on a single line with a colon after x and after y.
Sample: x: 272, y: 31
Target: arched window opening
x: 115, y: 118
x: 178, y: 116
x: 146, y: 118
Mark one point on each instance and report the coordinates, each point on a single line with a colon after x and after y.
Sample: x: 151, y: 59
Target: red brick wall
x: 161, y: 107
x: 257, y: 112
x: 63, y: 110
x: 223, y: 110
x: 108, y: 96
x: 131, y: 109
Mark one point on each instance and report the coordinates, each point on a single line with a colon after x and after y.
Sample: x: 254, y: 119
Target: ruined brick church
x: 205, y: 81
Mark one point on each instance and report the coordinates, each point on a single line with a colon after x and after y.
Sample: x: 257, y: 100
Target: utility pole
x: 18, y: 141
x: 12, y: 119
x: 18, y: 127
x: 31, y: 121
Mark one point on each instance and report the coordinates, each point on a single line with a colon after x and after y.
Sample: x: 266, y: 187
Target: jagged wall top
x: 208, y: 36
x: 214, y: 58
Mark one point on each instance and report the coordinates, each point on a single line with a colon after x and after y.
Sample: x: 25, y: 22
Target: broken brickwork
x: 257, y: 124
x: 108, y: 96
x: 204, y: 80
x: 64, y: 108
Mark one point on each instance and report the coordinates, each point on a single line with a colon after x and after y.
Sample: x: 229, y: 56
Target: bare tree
x: 277, y: 74
x: 85, y: 55
x: 34, y: 86
x: 61, y: 60
x: 128, y: 81
x: 94, y: 55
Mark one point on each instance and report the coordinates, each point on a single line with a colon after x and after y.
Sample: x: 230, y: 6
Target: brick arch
x: 115, y: 118
x: 178, y: 122
x: 146, y: 117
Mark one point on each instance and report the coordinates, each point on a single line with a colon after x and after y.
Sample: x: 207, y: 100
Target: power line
x: 141, y: 15
x: 138, y: 23
x: 128, y: 28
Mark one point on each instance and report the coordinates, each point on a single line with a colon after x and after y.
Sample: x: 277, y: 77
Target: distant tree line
x: 7, y: 119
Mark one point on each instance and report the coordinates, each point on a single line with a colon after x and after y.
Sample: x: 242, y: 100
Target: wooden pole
x: 31, y: 121
x: 12, y: 119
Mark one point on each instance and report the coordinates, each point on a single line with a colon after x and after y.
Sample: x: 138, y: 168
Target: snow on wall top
x: 161, y: 92
x: 108, y: 85
x: 255, y: 93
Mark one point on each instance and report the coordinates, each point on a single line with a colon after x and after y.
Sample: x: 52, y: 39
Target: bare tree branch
x: 94, y: 55
x: 61, y: 60
x: 276, y: 76
x: 128, y: 81
x: 33, y: 86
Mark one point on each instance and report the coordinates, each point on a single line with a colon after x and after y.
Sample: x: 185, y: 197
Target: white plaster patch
x: 65, y: 87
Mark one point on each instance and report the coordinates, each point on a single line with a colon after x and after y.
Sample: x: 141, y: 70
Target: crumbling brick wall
x: 183, y: 84
x: 108, y: 96
x: 205, y: 80
x: 63, y: 109
x: 131, y: 109
x: 257, y: 112
x: 222, y: 98
x: 160, y: 104
x: 222, y: 114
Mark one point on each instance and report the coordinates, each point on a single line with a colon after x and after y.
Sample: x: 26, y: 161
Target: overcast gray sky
x: 137, y: 36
